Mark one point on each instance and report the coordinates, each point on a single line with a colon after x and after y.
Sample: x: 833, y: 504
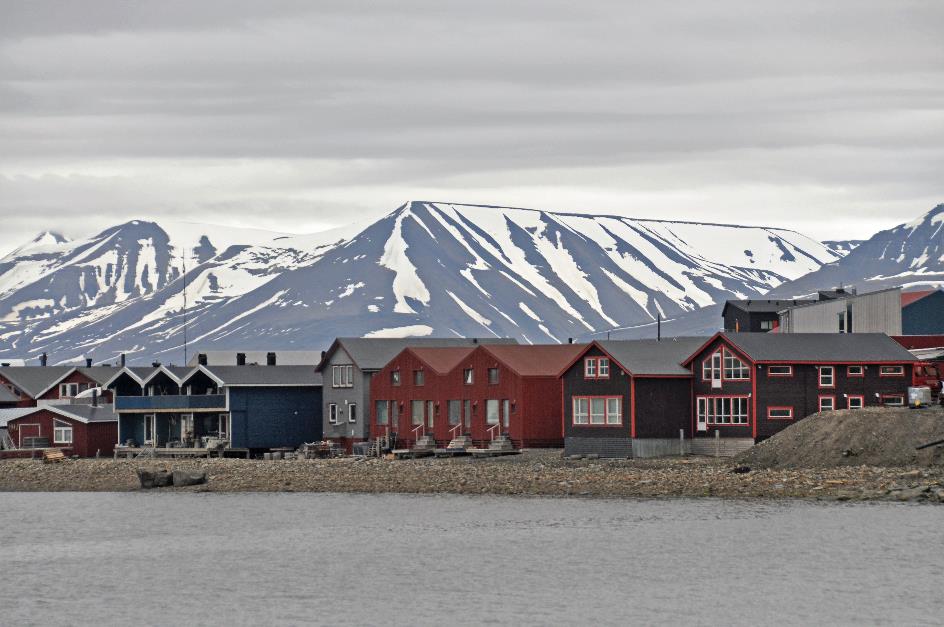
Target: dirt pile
x: 877, y: 436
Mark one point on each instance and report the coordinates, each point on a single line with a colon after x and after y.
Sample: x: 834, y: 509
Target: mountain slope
x: 910, y: 255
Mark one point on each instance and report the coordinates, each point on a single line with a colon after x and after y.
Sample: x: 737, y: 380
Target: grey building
x: 846, y: 312
x: 347, y: 367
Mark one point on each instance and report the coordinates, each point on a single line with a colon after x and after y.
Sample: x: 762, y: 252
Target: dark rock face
x: 154, y: 478
x: 184, y: 478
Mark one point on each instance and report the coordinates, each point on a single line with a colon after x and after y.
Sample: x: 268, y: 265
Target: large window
x: 493, y: 376
x: 342, y: 376
x: 71, y: 390
x: 827, y: 377
x: 61, y: 432
x: 723, y: 410
x: 827, y: 403
x: 892, y: 371
x: 734, y: 368
x: 455, y: 412
x: 596, y: 368
x: 416, y: 413
x: 383, y: 413
x: 598, y: 411
x: 491, y: 412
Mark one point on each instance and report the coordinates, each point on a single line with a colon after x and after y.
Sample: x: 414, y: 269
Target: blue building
x: 246, y: 407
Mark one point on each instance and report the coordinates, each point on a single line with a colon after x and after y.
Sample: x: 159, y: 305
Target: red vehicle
x: 929, y: 374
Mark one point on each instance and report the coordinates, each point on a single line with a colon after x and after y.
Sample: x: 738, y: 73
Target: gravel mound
x: 877, y: 436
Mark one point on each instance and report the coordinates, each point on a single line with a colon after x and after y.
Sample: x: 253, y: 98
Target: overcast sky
x: 826, y: 117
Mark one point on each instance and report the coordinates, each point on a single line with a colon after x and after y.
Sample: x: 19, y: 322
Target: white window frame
x: 859, y: 398
x: 352, y: 412
x: 899, y: 403
x: 333, y: 413
x: 468, y: 376
x: 581, y: 416
x: 603, y: 368
x: 150, y: 424
x: 788, y: 373
x: 832, y: 403
x: 223, y: 426
x: 61, y: 432
x: 590, y: 368
x: 859, y: 373
x: 771, y: 411
x: 897, y: 371
x: 821, y: 375
x: 739, y: 370
x: 725, y: 411
x: 68, y: 390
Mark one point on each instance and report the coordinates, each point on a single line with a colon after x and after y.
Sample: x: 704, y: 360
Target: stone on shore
x: 183, y: 478
x: 154, y: 478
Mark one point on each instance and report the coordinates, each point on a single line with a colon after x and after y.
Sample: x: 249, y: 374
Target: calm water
x: 177, y: 559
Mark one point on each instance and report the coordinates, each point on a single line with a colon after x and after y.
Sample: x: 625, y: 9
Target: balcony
x: 171, y: 403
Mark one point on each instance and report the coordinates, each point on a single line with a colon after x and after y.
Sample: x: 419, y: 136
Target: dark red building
x: 482, y: 392
x: 750, y: 386
x: 38, y: 385
x: 83, y: 430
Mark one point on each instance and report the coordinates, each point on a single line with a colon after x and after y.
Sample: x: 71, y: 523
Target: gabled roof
x: 815, y: 347
x: 537, y: 360
x: 36, y: 380
x: 370, y: 354
x: 653, y: 357
x: 910, y: 297
x: 440, y: 359
x: 138, y: 373
x: 264, y: 376
x: 176, y: 373
x: 763, y: 306
x: 98, y: 374
x: 79, y: 413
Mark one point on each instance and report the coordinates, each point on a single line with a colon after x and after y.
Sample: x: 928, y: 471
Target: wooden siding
x: 662, y: 407
x: 87, y: 439
x: 700, y: 387
x: 75, y: 377
x: 271, y: 417
x: 574, y: 384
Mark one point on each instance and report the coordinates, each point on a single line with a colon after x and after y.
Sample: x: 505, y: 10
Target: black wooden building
x: 755, y: 316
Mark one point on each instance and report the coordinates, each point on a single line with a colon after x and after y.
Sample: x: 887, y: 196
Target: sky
x: 296, y: 116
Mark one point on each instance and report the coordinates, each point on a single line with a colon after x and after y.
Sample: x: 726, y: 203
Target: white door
x: 150, y: 428
x: 702, y: 422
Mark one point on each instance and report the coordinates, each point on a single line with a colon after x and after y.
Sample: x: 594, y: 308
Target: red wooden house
x: 83, y: 430
x: 481, y: 392
x: 43, y: 385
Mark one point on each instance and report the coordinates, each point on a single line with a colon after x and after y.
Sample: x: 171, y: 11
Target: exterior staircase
x: 425, y: 443
x: 720, y: 447
x: 460, y: 442
x: 501, y: 443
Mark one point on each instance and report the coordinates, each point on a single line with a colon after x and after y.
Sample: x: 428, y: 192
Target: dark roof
x: 34, y: 380
x: 375, y: 353
x: 283, y: 358
x: 441, y: 359
x: 12, y: 413
x: 912, y: 342
x: 85, y: 413
x: 538, y: 360
x: 6, y: 396
x: 763, y: 306
x: 654, y: 357
x: 266, y: 375
x: 99, y: 374
x: 819, y: 347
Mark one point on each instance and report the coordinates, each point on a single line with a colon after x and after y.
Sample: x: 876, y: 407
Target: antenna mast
x: 183, y: 257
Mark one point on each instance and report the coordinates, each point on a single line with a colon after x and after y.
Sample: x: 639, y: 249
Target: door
x: 702, y: 423
x: 506, y: 413
x: 186, y: 429
x: 430, y: 412
x: 150, y: 429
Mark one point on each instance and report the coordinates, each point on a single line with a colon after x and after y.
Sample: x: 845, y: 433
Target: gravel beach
x: 533, y: 473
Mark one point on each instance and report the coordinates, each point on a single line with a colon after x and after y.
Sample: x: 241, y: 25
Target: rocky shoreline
x: 534, y: 473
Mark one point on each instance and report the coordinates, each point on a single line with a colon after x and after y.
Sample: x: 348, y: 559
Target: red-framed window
x: 779, y: 413
x: 597, y: 411
x: 596, y: 368
x: 855, y: 401
x: 827, y: 376
x: 827, y: 402
x: 891, y: 371
x: 724, y: 411
x: 724, y: 365
x: 855, y: 371
x: 893, y: 400
x: 780, y: 370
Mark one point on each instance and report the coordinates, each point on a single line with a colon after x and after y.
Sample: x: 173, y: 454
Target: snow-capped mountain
x: 425, y: 269
x: 843, y: 247
x: 910, y: 255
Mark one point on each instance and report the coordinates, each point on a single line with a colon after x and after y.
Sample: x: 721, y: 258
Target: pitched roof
x: 763, y: 306
x: 99, y: 374
x: 441, y: 359
x: 537, y: 360
x: 909, y: 297
x: 819, y: 347
x: 81, y: 413
x: 282, y: 358
x: 34, y: 380
x: 6, y: 396
x: 653, y: 357
x: 248, y: 376
x: 12, y: 413
x: 375, y: 353
x: 912, y: 342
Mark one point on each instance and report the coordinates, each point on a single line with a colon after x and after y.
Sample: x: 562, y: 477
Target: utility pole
x: 183, y: 258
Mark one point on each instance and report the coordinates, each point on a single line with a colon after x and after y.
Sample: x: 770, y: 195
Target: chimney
x: 202, y: 359
x: 42, y: 360
x: 570, y: 340
x: 122, y: 360
x: 156, y: 364
x: 658, y: 327
x: 5, y: 364
x: 270, y: 359
x: 323, y: 354
x: 240, y: 359
x: 475, y: 340
x: 95, y: 397
x: 88, y: 362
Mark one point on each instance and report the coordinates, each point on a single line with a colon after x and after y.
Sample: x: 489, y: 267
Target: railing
x: 491, y: 430
x: 455, y: 431
x: 422, y: 429
x: 171, y: 402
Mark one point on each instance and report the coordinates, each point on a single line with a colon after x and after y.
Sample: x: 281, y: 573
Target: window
x: 827, y: 377
x: 419, y: 377
x: 491, y: 412
x: 856, y: 402
x: 766, y: 325
x: 779, y: 371
x: 416, y: 413
x: 506, y: 412
x: 68, y: 390
x: 598, y: 411
x: 468, y: 376
x: 455, y: 412
x: 352, y: 413
x: 467, y: 410
x: 395, y: 377
x: 706, y: 371
x: 723, y: 410
x: 383, y: 413
x: 61, y: 432
x: 711, y: 369
x: 780, y: 413
x: 893, y: 400
x: 223, y: 430
x: 596, y: 368
x: 827, y: 403
x: 892, y: 371
x: 333, y: 413
x: 581, y: 411
x: 342, y: 376
x: 734, y: 368
x: 493, y: 376
x: 855, y: 371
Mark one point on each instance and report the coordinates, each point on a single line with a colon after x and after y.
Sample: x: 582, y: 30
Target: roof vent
x: 202, y: 359
x: 570, y: 340
x: 43, y: 359
x: 156, y: 364
x: 270, y: 359
x: 240, y: 359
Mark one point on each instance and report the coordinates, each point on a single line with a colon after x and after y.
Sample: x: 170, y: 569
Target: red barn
x: 83, y: 430
x: 483, y: 392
